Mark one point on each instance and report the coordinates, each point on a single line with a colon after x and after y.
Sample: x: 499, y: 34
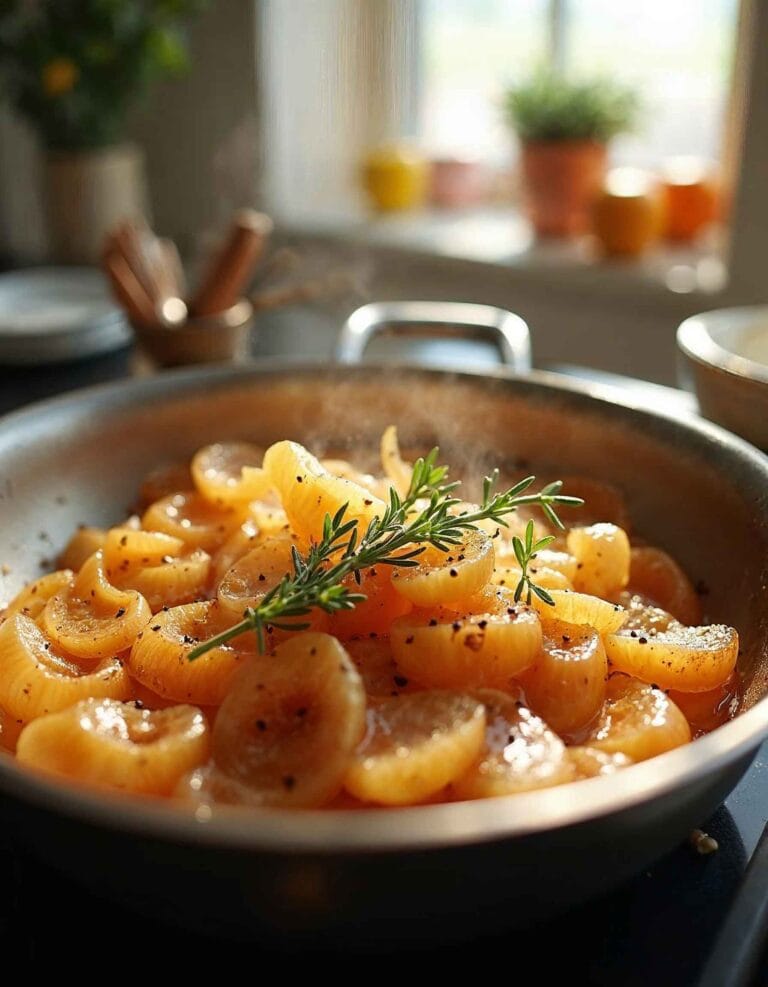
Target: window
x: 676, y: 53
x: 471, y: 50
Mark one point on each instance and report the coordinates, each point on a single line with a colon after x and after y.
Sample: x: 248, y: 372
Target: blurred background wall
x: 316, y: 110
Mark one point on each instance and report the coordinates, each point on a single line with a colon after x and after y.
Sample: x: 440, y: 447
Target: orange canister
x: 691, y: 198
x: 627, y: 217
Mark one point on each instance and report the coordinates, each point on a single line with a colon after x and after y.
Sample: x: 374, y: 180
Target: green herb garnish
x: 407, y: 526
x: 525, y: 553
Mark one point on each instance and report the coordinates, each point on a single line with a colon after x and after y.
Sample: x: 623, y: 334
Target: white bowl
x: 726, y: 351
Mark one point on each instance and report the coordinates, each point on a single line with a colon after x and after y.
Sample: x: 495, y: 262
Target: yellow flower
x: 60, y: 76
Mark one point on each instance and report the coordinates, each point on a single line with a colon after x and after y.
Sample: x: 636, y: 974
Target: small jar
x: 457, y: 182
x: 395, y: 177
x: 628, y: 214
x: 217, y: 338
x: 691, y: 198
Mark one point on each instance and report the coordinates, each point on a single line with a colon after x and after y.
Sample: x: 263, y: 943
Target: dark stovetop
x: 654, y: 930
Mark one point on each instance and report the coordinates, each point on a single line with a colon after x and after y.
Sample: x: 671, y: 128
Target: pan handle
x: 442, y: 320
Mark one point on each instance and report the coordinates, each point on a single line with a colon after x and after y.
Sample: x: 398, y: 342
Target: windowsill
x: 501, y: 236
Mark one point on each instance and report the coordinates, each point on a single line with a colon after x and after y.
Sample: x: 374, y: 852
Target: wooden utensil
x: 127, y: 288
x: 145, y: 275
x: 132, y: 243
x: 233, y: 264
x: 174, y: 266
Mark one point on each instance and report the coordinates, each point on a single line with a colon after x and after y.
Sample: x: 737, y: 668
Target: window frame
x: 557, y: 14
x: 745, y: 160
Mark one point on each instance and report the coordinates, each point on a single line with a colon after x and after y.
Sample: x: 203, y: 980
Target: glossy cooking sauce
x: 443, y: 683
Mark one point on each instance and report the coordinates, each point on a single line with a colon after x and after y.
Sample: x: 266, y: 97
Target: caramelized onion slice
x: 566, y: 685
x: 602, y: 553
x: 690, y: 659
x: 37, y: 678
x: 309, y: 492
x: 655, y: 574
x: 519, y: 753
x: 31, y: 600
x: 446, y: 650
x: 580, y: 608
x: 442, y: 578
x: 638, y: 721
x: 289, y: 725
x: 229, y: 474
x: 92, y: 618
x: 415, y: 746
x: 159, y: 658
x: 115, y: 745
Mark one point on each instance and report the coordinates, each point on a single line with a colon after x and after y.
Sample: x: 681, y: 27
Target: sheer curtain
x: 338, y: 77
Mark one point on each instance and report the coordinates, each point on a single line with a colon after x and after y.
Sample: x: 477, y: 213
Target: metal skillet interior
x: 692, y: 489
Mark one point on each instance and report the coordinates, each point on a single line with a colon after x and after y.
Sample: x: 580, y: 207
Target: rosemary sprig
x: 407, y: 526
x: 525, y: 552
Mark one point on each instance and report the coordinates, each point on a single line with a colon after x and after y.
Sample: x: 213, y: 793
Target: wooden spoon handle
x: 232, y: 265
x: 128, y: 290
x: 133, y: 240
x: 174, y: 266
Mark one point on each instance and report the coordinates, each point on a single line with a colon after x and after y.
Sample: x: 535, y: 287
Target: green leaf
x: 519, y: 487
x: 168, y: 50
x: 552, y: 517
x: 542, y: 594
x: 396, y: 539
x: 517, y: 548
x: 529, y: 538
x: 551, y: 107
x: 290, y: 626
x: 298, y: 562
x: 552, y: 489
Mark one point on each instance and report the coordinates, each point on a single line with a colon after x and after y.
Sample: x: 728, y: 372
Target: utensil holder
x: 223, y: 337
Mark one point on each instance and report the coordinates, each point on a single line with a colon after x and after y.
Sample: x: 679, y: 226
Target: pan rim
x: 416, y: 828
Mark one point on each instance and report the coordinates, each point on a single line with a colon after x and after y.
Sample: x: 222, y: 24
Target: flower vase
x: 88, y: 193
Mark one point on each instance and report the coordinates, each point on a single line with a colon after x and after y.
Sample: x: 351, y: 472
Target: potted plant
x: 73, y: 69
x: 564, y: 128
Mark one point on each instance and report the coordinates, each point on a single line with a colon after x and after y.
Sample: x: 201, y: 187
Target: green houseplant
x: 73, y: 69
x: 564, y: 128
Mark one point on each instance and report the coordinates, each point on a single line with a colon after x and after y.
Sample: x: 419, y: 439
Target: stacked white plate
x: 48, y: 314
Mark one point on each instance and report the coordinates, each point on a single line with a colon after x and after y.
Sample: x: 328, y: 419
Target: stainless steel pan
x: 389, y: 875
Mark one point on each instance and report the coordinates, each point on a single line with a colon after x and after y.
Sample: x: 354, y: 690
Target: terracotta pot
x: 89, y: 192
x: 562, y: 179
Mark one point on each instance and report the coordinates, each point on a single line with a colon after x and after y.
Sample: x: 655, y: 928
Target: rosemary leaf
x: 396, y: 539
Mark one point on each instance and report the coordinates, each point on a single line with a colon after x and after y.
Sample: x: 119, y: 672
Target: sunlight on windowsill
x: 501, y: 235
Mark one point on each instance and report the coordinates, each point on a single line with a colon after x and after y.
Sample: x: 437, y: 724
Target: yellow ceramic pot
x: 395, y: 178
x: 628, y: 215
